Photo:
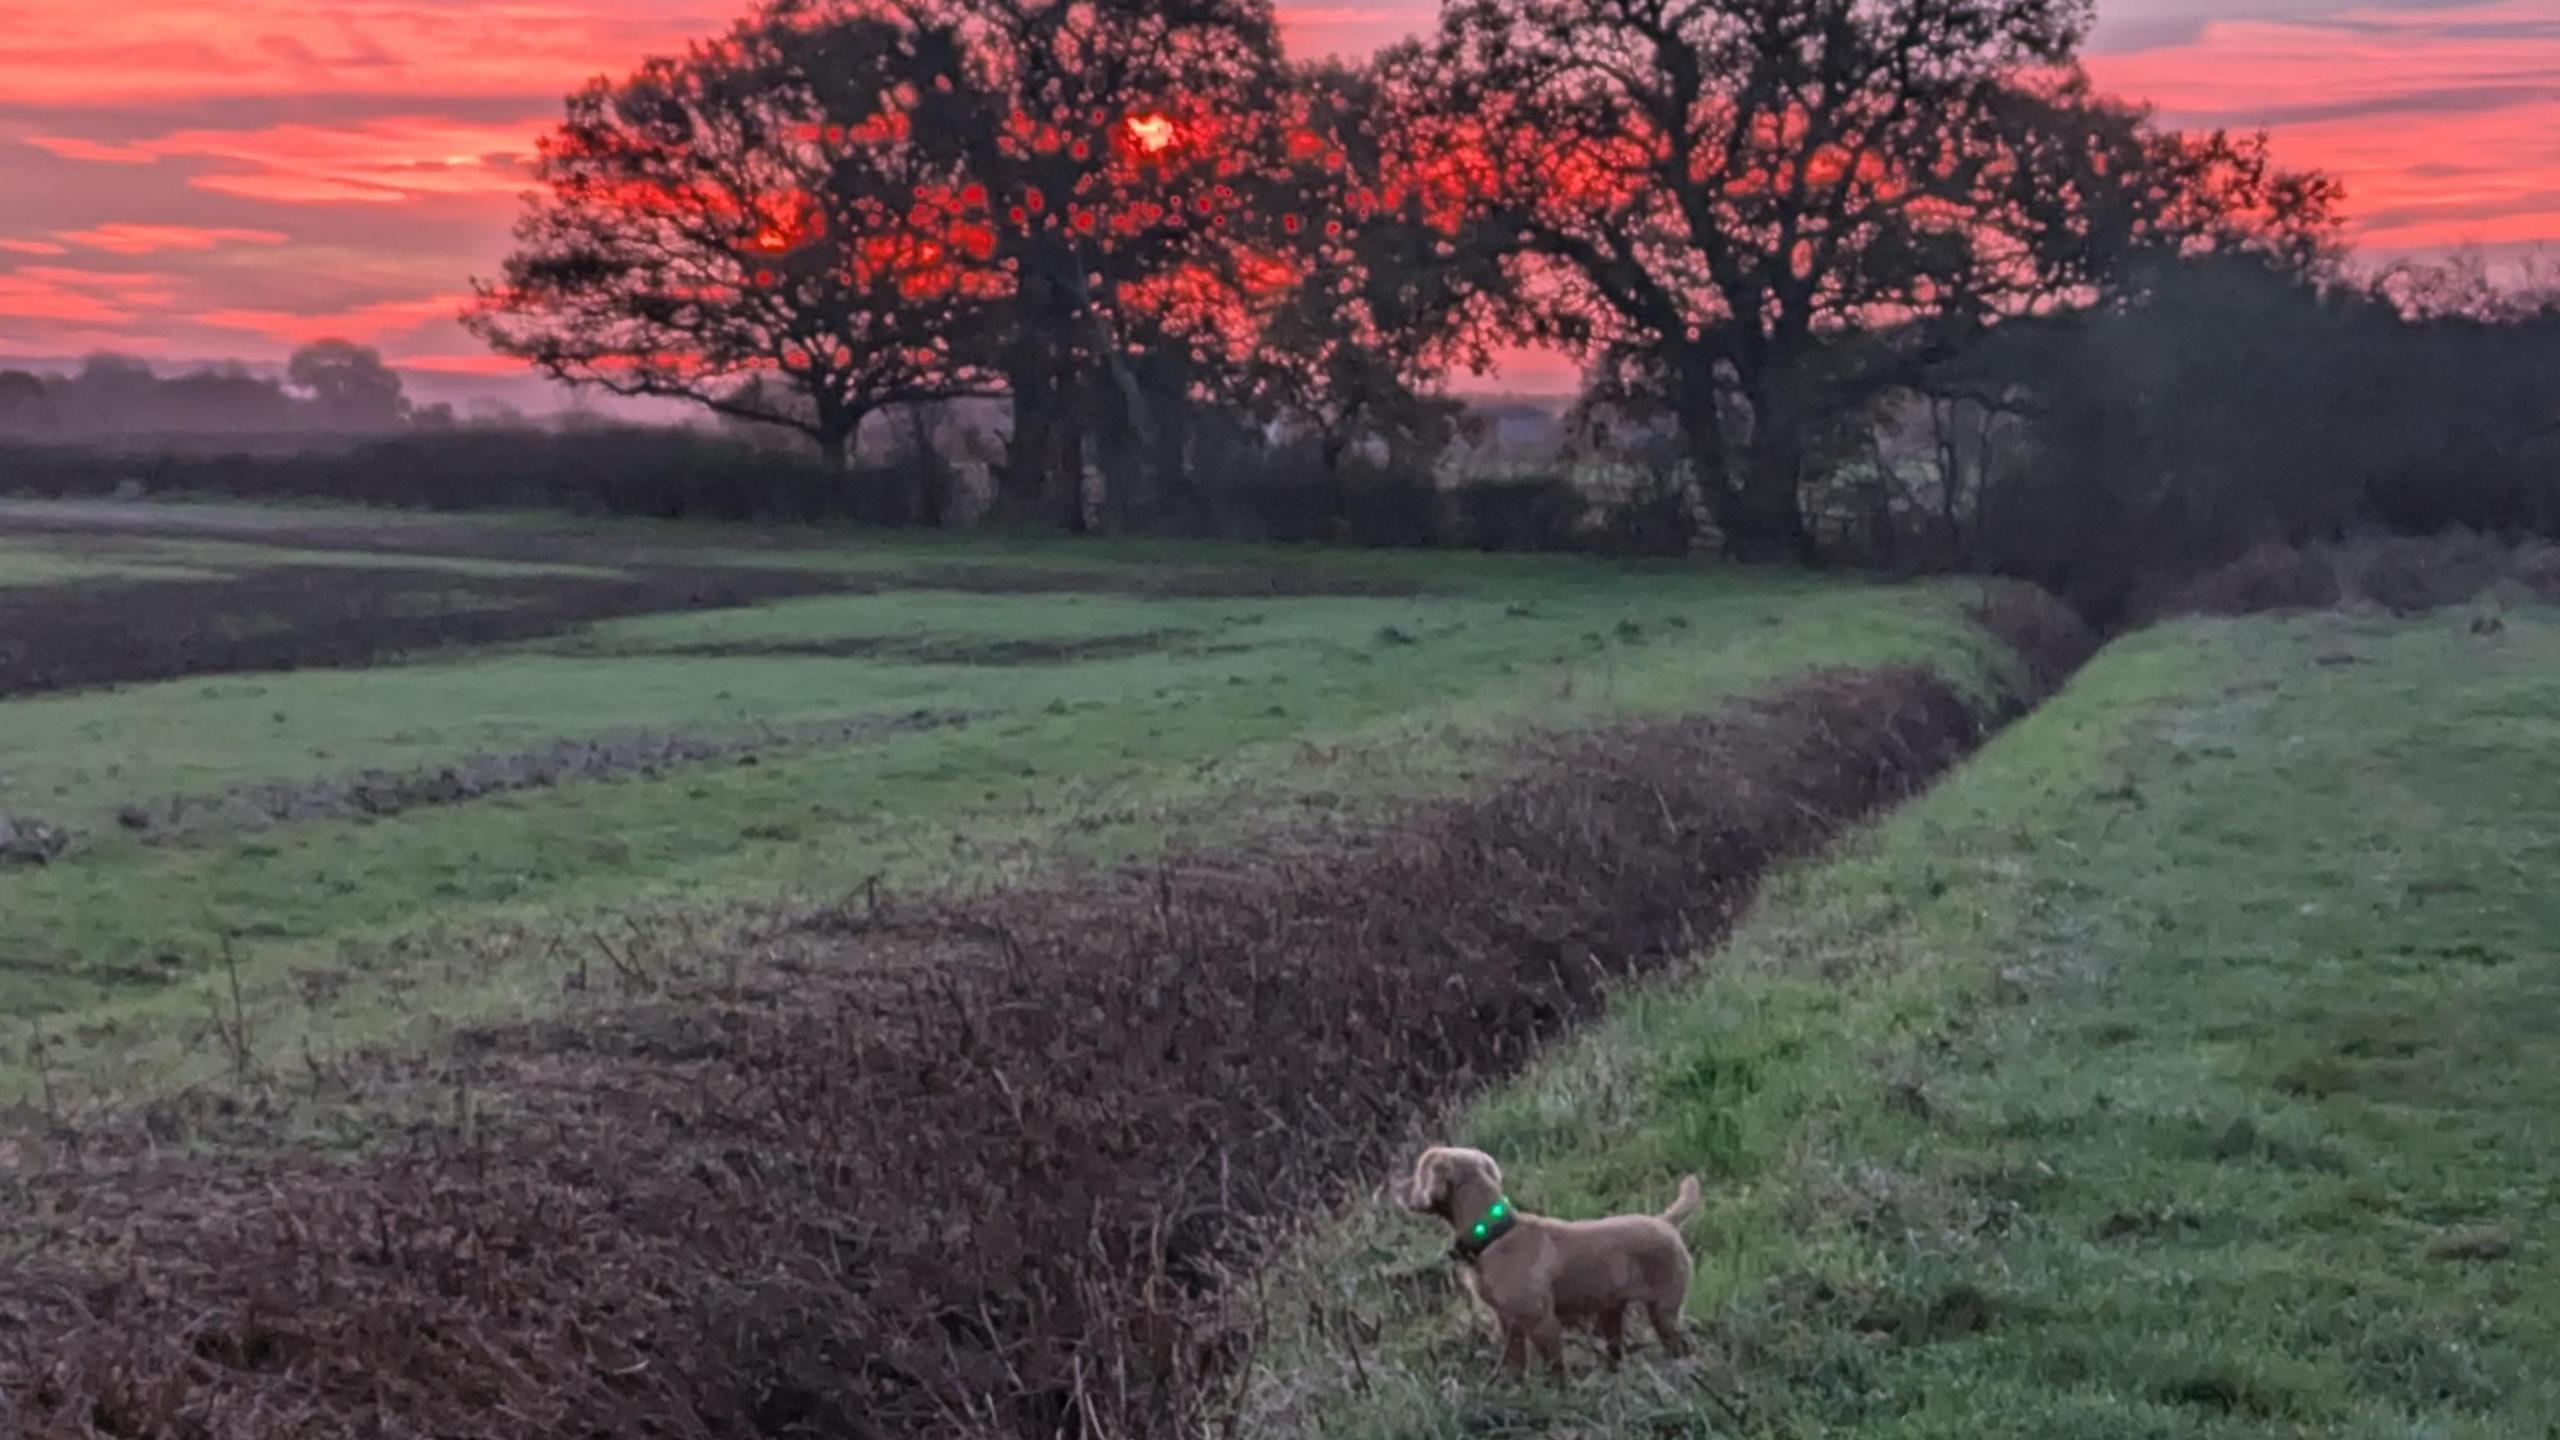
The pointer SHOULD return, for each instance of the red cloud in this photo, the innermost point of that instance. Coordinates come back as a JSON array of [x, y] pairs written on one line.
[[463, 364], [72, 147], [364, 322], [119, 238], [156, 51], [84, 340], [30, 300], [33, 247], [393, 159], [85, 297], [2433, 117]]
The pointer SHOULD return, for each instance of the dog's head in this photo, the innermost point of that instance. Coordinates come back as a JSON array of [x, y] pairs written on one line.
[[1440, 1173]]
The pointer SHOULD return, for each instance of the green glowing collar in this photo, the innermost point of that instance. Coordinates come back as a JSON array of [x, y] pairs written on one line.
[[1479, 1237]]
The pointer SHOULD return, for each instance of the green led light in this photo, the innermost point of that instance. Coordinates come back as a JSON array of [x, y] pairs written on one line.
[[1479, 1230], [1497, 1209]]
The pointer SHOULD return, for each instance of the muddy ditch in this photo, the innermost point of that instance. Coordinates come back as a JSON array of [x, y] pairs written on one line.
[[985, 1168]]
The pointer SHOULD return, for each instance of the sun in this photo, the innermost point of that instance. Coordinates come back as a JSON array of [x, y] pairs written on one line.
[[1153, 133]]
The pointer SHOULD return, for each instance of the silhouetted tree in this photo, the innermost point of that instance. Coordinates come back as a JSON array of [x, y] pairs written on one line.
[[23, 408], [2230, 401], [775, 227], [1114, 136], [1364, 303], [1762, 214], [349, 384]]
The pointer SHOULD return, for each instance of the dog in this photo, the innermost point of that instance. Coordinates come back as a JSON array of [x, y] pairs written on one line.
[[1537, 1276]]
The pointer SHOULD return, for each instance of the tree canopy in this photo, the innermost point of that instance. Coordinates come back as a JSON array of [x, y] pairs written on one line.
[[1757, 214], [1754, 217]]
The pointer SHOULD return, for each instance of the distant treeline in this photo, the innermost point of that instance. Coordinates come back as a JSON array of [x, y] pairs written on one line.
[[2224, 406], [330, 387], [1279, 494]]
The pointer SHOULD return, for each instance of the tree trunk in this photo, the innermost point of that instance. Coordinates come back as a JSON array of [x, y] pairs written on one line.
[[1031, 451], [1701, 420], [1767, 509], [1043, 482], [932, 481], [1133, 458]]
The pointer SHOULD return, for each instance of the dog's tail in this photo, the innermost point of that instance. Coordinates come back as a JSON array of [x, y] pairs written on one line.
[[1687, 1205]]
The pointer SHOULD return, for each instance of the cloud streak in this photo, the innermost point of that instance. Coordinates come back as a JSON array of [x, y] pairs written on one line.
[[75, 296], [119, 238], [386, 161], [100, 57], [372, 323]]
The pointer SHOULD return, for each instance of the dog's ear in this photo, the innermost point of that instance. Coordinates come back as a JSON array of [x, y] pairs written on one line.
[[1427, 1192]]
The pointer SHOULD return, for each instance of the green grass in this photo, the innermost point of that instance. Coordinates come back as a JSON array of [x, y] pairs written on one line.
[[1254, 711], [2180, 1068], [29, 562], [240, 556]]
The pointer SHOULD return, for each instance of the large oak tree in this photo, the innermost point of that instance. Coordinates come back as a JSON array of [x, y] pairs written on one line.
[[756, 228], [1758, 214]]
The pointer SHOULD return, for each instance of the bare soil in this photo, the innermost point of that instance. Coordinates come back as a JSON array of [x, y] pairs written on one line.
[[379, 793], [95, 633], [105, 522], [984, 1168], [74, 636]]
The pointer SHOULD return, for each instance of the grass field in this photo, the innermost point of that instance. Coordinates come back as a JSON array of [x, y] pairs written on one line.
[[1087, 702], [2179, 1068], [2174, 1069]]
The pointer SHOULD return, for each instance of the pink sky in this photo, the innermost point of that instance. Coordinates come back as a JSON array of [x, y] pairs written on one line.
[[197, 179]]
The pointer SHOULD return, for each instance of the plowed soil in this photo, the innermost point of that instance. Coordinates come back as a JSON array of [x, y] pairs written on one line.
[[288, 617]]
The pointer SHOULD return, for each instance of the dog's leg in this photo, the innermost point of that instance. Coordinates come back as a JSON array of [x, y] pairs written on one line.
[[1485, 1314], [1549, 1336], [1666, 1326], [1515, 1346], [1612, 1326]]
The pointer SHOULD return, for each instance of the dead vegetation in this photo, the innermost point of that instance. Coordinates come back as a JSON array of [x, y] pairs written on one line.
[[376, 794], [2398, 574], [983, 1169], [28, 841]]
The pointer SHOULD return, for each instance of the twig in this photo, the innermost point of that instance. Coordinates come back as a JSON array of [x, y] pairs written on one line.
[[235, 1034], [44, 1073], [633, 977]]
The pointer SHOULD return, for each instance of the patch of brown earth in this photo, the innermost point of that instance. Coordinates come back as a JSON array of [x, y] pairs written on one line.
[[377, 793], [63, 637], [94, 633]]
